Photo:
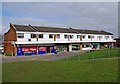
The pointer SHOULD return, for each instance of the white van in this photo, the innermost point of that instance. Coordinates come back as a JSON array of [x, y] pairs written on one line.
[[87, 48]]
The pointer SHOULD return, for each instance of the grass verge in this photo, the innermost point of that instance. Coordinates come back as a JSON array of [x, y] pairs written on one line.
[[61, 71]]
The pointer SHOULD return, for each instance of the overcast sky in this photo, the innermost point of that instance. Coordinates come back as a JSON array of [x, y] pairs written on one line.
[[82, 15]]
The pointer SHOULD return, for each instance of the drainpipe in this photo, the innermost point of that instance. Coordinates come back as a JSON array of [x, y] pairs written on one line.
[[81, 37], [68, 37], [54, 37], [37, 36]]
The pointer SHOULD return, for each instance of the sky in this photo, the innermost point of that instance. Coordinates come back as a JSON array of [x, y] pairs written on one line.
[[80, 15]]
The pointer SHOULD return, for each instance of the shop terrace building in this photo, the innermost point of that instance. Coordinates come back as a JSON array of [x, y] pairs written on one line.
[[23, 40]]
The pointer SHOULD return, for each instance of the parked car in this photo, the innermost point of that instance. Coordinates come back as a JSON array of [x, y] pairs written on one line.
[[1, 50]]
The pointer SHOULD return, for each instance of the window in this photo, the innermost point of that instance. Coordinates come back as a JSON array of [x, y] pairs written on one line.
[[89, 36], [106, 37], [33, 35], [58, 35], [40, 35], [71, 36], [112, 37], [78, 36], [84, 36], [99, 37], [93, 37], [20, 35], [50, 35], [65, 36]]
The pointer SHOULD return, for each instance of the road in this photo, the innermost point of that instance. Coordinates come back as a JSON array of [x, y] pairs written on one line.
[[47, 57]]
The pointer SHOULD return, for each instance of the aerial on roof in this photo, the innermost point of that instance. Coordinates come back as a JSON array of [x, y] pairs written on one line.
[[30, 28]]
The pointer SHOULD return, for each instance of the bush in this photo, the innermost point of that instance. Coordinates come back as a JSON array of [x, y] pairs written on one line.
[[8, 54]]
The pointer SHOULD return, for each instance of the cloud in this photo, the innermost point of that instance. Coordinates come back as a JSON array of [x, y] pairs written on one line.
[[0, 17], [99, 16], [26, 21], [60, 1]]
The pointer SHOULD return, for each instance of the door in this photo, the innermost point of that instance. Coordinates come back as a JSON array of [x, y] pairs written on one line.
[[48, 49]]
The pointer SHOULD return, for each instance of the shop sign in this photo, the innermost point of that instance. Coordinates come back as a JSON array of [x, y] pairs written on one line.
[[42, 48], [28, 49]]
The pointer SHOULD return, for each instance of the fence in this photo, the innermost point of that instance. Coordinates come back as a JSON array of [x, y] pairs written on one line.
[[107, 53]]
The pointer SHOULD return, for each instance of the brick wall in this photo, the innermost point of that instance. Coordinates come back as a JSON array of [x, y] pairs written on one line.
[[8, 38]]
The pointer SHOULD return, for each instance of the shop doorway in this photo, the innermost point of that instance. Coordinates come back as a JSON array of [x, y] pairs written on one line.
[[48, 49]]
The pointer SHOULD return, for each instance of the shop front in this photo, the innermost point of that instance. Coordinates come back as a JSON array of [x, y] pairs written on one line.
[[26, 50], [45, 50], [61, 47]]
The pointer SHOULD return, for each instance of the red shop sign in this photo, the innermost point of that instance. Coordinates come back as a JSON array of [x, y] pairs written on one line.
[[33, 49], [42, 48], [28, 49], [25, 49]]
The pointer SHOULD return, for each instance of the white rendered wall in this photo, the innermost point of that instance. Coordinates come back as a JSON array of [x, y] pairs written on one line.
[[46, 39]]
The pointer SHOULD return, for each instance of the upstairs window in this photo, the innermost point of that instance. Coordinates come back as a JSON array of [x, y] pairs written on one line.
[[83, 36], [78, 36], [71, 36], [20, 35], [65, 36], [33, 35], [50, 35], [93, 37], [40, 35], [58, 35], [111, 37], [99, 37], [89, 36], [106, 37]]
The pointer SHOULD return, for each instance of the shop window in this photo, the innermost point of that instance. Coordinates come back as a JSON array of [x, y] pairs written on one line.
[[20, 35], [33, 35], [83, 36], [78, 36], [65, 36], [40, 35], [71, 36], [58, 35], [50, 35]]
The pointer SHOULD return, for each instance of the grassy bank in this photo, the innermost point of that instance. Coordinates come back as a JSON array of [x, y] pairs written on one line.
[[106, 53], [62, 71]]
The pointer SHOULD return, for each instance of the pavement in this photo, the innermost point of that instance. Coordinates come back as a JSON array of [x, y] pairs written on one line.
[[45, 57]]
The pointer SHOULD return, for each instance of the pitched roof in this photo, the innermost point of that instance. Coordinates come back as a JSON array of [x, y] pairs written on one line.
[[29, 28], [93, 32], [53, 29], [25, 28]]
